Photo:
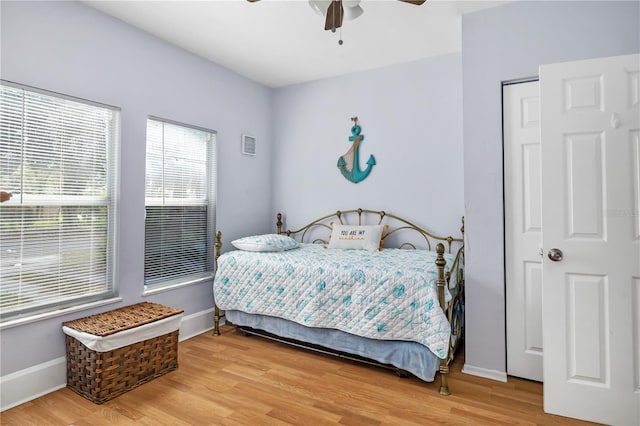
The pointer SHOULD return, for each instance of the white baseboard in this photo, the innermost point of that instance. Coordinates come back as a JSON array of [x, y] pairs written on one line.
[[500, 376], [195, 324], [33, 382]]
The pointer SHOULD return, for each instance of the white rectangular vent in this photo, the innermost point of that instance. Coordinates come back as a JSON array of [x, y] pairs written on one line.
[[248, 145]]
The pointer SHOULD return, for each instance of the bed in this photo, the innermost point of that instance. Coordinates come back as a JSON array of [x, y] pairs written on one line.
[[393, 298]]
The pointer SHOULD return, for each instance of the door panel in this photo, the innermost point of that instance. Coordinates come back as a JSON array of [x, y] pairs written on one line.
[[636, 334], [635, 158], [533, 306], [587, 319], [531, 186], [584, 157]]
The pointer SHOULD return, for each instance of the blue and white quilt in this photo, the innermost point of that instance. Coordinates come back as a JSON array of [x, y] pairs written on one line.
[[387, 295]]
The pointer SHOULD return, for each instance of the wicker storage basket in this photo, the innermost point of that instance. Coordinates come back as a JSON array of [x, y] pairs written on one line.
[[101, 376]]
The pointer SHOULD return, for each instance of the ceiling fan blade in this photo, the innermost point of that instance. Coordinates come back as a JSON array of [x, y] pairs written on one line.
[[416, 2], [335, 12]]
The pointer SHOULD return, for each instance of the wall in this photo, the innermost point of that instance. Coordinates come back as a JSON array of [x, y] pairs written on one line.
[[501, 44], [411, 117], [70, 48]]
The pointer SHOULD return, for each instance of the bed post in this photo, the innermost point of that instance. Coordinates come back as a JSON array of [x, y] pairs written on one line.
[[279, 223], [441, 282], [216, 310]]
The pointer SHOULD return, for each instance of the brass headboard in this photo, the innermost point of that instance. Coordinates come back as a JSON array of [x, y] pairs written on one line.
[[319, 230]]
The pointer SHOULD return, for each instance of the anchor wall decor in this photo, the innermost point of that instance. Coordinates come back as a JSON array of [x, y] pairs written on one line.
[[349, 163]]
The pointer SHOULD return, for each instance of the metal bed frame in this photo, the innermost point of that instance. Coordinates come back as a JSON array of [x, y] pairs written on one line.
[[396, 229]]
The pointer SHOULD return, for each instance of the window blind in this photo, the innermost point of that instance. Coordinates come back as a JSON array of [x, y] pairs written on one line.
[[57, 230], [179, 203]]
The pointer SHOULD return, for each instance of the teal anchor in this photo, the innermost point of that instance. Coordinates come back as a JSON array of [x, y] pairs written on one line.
[[349, 163]]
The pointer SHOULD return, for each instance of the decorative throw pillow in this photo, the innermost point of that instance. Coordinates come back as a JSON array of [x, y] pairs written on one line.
[[266, 242], [359, 237]]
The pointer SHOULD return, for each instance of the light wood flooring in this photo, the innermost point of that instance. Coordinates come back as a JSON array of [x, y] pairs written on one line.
[[238, 380]]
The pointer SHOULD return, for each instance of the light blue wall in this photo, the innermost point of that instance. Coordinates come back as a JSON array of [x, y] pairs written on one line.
[[73, 49], [500, 44], [411, 117]]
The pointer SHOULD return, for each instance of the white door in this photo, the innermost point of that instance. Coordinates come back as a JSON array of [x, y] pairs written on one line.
[[590, 128], [523, 229]]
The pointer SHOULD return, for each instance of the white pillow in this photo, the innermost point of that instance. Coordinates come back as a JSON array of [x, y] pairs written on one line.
[[359, 237], [266, 242]]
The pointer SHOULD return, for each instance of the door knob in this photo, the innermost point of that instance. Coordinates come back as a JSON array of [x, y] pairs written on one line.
[[555, 254]]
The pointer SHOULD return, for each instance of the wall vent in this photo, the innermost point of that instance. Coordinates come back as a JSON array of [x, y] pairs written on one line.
[[248, 145]]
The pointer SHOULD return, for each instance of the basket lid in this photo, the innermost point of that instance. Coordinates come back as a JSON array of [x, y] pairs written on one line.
[[121, 319]]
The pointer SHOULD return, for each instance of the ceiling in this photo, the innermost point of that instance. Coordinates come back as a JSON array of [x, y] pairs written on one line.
[[279, 43]]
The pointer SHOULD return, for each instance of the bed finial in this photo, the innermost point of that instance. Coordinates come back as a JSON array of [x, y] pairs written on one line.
[[462, 229], [381, 214], [279, 223], [218, 245]]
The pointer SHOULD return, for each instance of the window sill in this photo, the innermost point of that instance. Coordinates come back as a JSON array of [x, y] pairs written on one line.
[[48, 315], [160, 288]]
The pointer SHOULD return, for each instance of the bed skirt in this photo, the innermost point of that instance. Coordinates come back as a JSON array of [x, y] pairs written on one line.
[[411, 357]]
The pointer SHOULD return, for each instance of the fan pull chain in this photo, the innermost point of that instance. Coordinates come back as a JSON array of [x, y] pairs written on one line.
[[333, 30]]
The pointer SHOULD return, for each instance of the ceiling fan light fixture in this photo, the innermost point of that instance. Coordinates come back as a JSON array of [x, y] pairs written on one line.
[[352, 12], [352, 8], [350, 3], [320, 6]]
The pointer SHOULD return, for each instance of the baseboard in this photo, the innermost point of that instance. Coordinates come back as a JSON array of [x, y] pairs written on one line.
[[33, 382], [195, 324], [500, 376]]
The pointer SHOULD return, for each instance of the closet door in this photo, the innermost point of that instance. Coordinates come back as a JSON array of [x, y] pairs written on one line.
[[523, 229]]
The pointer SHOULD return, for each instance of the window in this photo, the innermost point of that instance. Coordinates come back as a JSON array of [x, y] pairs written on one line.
[[179, 204], [57, 231]]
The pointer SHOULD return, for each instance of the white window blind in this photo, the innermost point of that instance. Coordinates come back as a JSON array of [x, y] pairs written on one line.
[[57, 231], [179, 203]]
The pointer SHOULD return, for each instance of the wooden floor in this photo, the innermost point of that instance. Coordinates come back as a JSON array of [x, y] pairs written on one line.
[[238, 380]]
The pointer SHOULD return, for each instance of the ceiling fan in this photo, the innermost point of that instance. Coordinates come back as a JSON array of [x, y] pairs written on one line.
[[334, 10]]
